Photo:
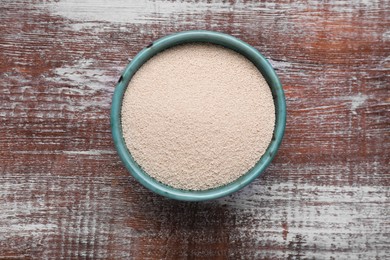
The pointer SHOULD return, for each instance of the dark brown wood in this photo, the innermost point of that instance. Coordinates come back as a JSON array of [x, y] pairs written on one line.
[[65, 194]]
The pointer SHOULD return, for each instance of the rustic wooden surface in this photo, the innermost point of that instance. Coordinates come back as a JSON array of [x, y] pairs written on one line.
[[65, 194]]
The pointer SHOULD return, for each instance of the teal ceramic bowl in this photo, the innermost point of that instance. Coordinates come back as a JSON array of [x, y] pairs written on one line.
[[189, 37]]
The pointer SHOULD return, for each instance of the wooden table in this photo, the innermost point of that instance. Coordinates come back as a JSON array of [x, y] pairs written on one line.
[[64, 192]]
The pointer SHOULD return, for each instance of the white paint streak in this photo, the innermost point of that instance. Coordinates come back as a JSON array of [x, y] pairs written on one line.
[[386, 36], [150, 12], [123, 11], [313, 193], [26, 228], [36, 230], [355, 101], [347, 6], [89, 152], [277, 64], [86, 80], [84, 72]]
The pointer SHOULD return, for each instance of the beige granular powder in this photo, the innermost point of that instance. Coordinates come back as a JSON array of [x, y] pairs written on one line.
[[197, 116]]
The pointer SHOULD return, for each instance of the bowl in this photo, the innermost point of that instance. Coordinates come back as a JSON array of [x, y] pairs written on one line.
[[224, 40]]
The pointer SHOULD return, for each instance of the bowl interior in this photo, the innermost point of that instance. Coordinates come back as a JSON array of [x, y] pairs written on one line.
[[208, 37]]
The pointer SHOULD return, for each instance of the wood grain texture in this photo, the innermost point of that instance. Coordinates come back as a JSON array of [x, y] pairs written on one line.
[[65, 194]]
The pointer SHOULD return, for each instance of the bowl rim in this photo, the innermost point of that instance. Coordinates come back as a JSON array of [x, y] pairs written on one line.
[[218, 38]]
